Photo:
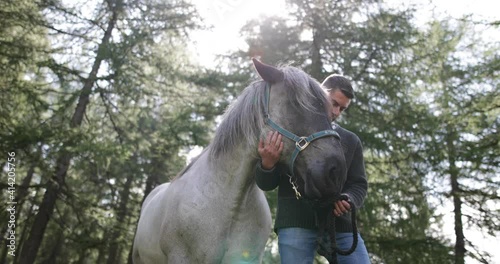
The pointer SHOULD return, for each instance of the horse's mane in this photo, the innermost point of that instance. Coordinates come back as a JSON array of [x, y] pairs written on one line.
[[244, 119]]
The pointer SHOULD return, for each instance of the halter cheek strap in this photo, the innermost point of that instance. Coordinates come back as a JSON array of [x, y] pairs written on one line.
[[300, 142]]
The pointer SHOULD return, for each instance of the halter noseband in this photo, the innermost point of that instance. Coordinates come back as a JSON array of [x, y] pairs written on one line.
[[301, 143]]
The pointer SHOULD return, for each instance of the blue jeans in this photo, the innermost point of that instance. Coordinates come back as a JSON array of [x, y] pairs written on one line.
[[298, 246]]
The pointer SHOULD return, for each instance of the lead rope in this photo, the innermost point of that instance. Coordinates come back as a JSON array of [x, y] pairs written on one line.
[[327, 245]]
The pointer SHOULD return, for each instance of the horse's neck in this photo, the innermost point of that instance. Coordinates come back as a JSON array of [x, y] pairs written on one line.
[[233, 172], [235, 167]]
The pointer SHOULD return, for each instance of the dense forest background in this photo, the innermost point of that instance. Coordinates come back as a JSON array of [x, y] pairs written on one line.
[[101, 101]]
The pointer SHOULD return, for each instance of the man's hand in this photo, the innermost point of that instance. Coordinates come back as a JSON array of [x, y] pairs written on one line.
[[270, 150], [341, 207]]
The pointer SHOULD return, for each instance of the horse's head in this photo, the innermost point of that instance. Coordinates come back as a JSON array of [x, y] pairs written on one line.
[[296, 103]]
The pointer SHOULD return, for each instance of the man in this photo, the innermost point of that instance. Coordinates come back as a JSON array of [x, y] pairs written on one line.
[[295, 224]]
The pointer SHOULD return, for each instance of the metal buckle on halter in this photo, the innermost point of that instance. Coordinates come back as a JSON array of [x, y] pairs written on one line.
[[302, 143]]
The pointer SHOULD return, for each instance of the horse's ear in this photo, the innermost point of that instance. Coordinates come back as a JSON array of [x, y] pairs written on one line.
[[267, 72]]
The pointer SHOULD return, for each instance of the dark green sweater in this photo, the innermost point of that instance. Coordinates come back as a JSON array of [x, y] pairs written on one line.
[[299, 213]]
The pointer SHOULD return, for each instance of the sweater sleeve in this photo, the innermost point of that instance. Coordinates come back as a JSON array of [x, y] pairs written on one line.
[[267, 180], [356, 184]]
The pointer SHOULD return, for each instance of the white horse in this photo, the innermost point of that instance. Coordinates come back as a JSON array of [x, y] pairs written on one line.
[[213, 212]]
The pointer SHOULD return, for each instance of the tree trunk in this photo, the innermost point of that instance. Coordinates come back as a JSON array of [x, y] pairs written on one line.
[[3, 258], [316, 62], [151, 182], [101, 252], [121, 216], [455, 193], [82, 257], [25, 230], [56, 249], [56, 183], [21, 195]]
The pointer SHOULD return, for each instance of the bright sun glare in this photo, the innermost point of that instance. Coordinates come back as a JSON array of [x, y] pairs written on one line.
[[226, 18]]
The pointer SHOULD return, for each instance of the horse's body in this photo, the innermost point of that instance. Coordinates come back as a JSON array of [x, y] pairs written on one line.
[[209, 225], [213, 212]]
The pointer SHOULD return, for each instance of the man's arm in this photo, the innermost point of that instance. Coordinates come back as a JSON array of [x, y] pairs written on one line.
[[356, 184]]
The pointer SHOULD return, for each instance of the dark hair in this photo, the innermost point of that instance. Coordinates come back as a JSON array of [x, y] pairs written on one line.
[[335, 81]]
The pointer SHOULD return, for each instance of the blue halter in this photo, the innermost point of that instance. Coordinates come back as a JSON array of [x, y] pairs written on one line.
[[300, 142]]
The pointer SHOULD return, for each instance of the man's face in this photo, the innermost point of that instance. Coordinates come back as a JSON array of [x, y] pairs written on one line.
[[339, 103]]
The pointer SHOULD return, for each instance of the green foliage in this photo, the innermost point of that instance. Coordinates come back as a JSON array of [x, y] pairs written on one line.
[[462, 93], [147, 104], [276, 41]]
